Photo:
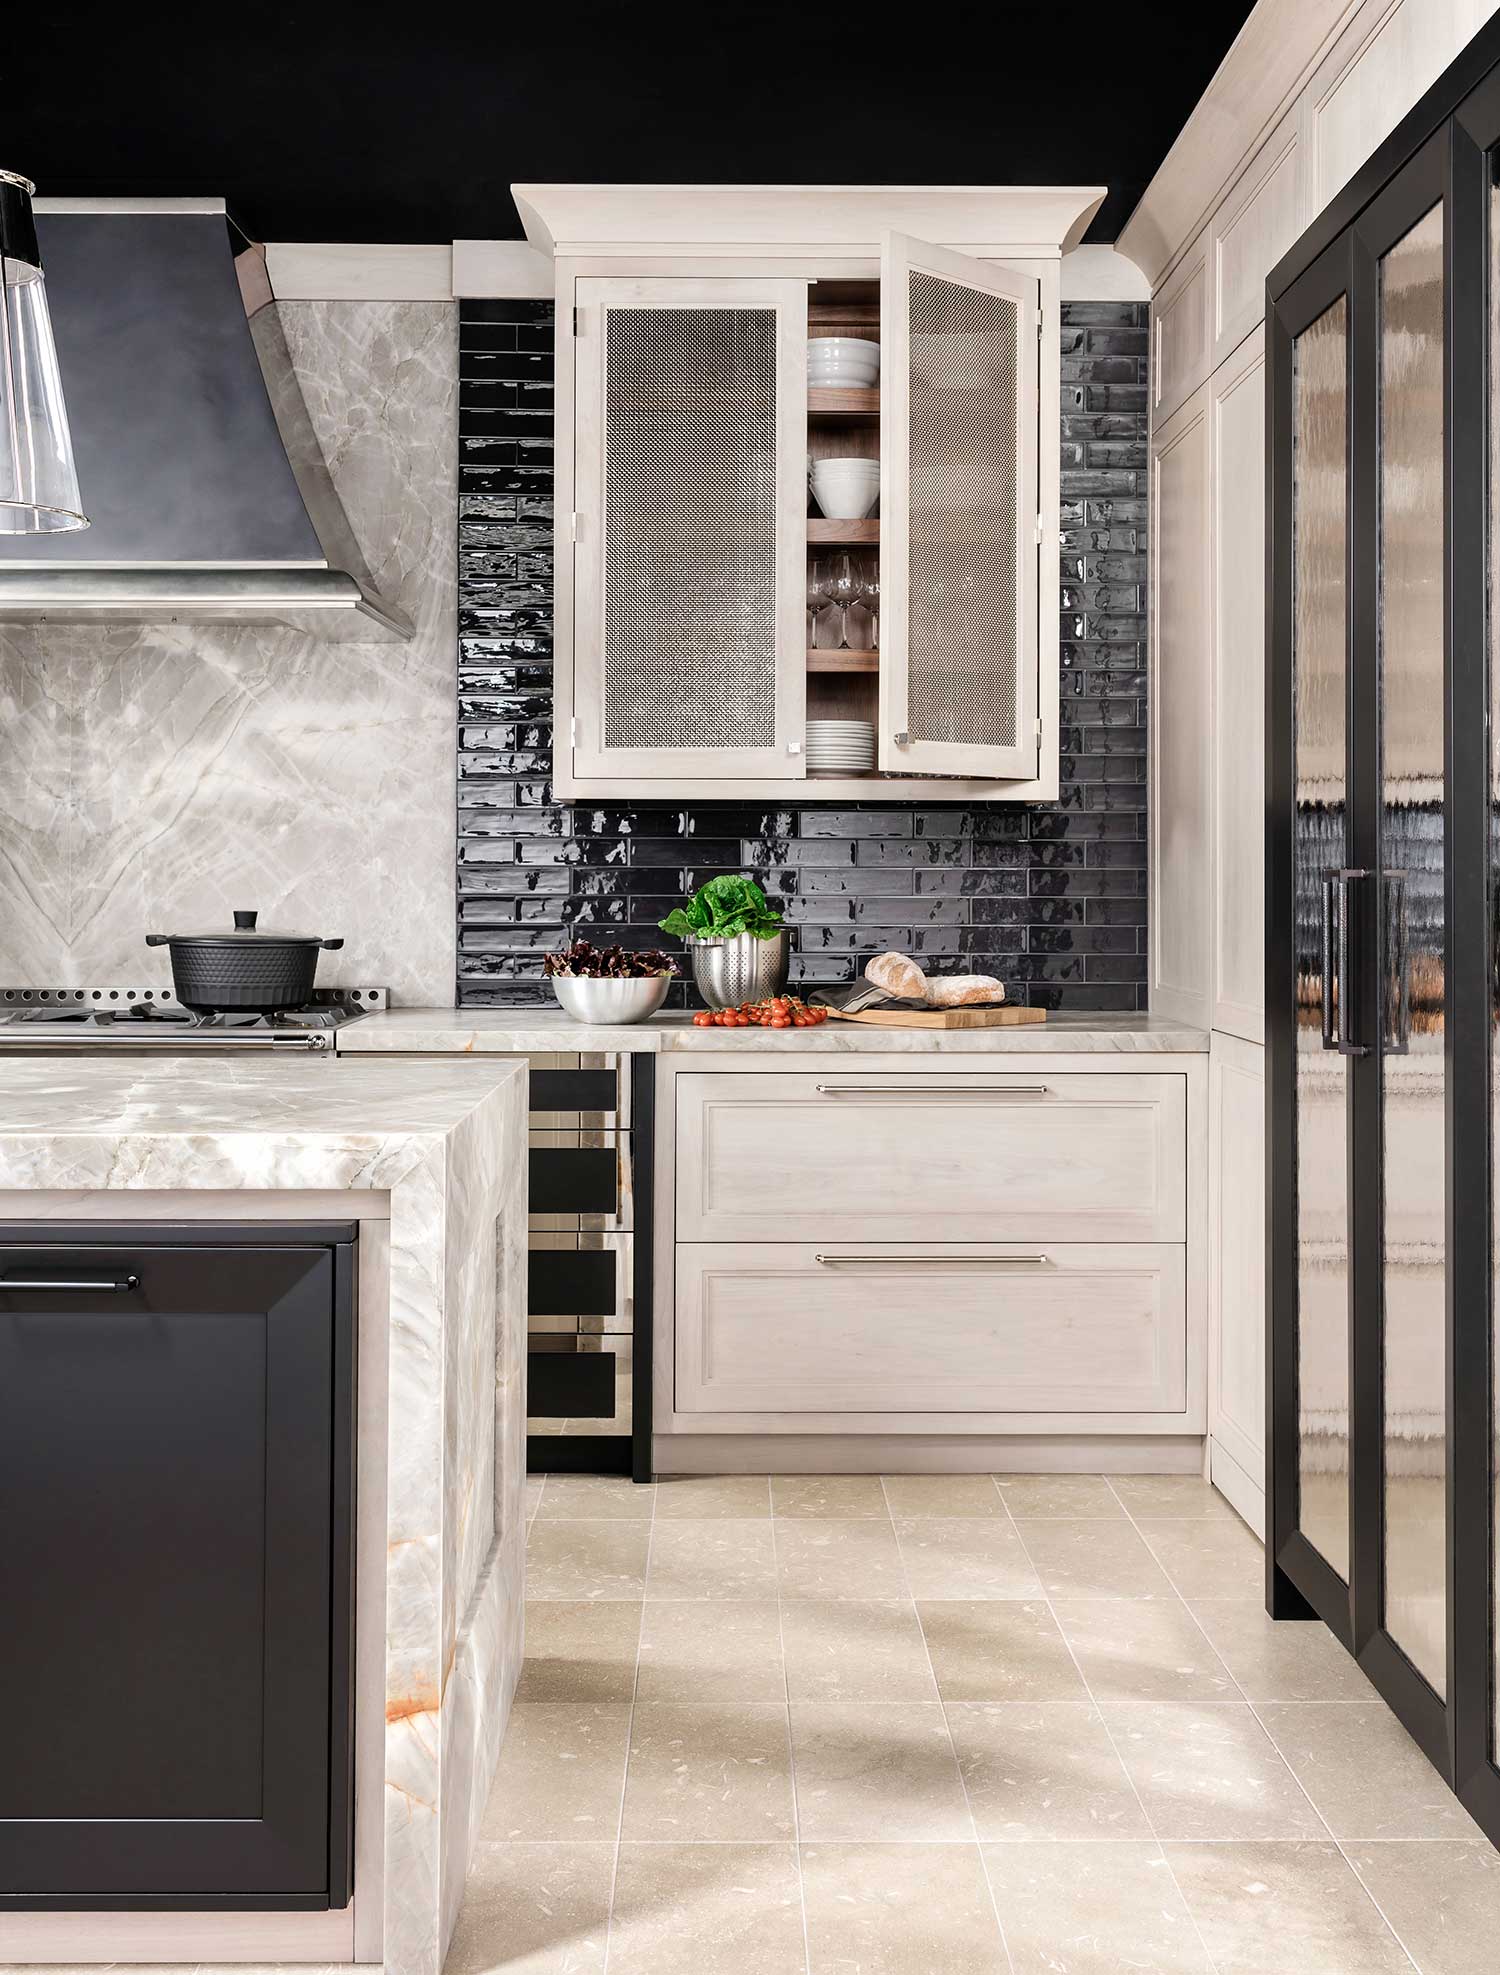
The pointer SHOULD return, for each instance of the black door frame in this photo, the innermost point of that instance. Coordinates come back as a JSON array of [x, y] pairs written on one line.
[[1446, 149]]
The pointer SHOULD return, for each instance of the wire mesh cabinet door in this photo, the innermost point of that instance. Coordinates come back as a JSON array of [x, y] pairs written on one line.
[[690, 435], [958, 514]]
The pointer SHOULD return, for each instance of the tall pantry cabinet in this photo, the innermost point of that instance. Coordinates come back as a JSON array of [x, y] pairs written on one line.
[[1207, 238]]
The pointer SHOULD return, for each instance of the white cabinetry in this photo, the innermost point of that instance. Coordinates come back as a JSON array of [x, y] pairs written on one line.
[[1236, 1278], [1179, 332], [1237, 647], [685, 661], [872, 1248], [1180, 699]]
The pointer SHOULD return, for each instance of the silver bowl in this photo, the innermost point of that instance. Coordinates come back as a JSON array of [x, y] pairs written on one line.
[[604, 1000], [729, 971]]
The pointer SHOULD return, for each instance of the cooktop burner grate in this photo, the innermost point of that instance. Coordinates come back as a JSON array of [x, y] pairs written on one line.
[[141, 1016]]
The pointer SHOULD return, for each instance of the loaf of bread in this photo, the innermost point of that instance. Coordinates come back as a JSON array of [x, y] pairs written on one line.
[[963, 990], [897, 975]]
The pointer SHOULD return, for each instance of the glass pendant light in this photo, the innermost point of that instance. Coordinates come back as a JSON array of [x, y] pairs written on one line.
[[38, 481]]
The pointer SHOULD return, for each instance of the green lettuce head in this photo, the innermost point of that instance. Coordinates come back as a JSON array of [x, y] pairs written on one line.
[[722, 908]]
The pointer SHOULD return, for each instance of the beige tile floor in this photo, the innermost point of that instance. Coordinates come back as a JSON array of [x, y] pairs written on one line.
[[972, 1726]]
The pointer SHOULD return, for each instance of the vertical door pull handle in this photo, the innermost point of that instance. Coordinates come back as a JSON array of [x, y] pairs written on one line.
[[1336, 972]]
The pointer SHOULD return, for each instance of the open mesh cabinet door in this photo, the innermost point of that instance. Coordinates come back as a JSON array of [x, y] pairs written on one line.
[[958, 507], [689, 641]]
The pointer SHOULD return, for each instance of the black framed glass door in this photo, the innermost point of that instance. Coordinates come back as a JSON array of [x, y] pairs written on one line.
[[1360, 1068], [1383, 909]]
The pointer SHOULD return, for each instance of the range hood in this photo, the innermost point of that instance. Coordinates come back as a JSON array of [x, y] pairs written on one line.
[[208, 496]]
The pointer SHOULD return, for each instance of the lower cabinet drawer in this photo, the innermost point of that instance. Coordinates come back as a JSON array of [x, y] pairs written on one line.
[[897, 1328]]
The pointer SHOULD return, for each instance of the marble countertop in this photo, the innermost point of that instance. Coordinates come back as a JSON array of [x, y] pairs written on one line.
[[193, 1123], [539, 1031]]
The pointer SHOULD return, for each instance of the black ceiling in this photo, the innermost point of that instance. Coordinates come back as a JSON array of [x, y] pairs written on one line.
[[330, 122]]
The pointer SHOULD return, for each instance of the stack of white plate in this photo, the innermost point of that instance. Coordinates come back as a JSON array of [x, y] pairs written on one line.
[[843, 361], [845, 746]]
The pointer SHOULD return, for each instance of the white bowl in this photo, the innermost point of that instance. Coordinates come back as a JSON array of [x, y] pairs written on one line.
[[602, 1000], [846, 489], [852, 361]]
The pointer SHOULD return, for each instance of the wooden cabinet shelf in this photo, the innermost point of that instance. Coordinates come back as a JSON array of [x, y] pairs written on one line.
[[843, 661], [840, 405], [822, 533]]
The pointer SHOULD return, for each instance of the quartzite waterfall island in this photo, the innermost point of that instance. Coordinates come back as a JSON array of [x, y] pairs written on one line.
[[262, 1336]]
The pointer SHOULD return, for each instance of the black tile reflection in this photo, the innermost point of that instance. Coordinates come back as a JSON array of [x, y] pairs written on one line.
[[1052, 899]]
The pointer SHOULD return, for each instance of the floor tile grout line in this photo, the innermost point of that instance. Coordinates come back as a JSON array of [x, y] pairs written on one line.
[[614, 1877], [1156, 1838], [791, 1746], [989, 1884], [1254, 1712], [1337, 1842], [1370, 1896]]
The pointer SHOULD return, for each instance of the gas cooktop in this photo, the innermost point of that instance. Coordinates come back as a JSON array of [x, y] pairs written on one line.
[[39, 1019]]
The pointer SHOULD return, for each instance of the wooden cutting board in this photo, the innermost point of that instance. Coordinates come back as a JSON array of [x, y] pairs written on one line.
[[1002, 1017]]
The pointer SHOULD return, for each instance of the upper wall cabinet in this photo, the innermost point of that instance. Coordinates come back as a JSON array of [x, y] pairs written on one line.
[[754, 567]]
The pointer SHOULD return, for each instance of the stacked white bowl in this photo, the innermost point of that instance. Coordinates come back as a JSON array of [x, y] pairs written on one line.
[[842, 746], [846, 489], [843, 362]]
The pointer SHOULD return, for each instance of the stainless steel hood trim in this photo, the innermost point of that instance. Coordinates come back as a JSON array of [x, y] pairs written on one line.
[[303, 599], [328, 593]]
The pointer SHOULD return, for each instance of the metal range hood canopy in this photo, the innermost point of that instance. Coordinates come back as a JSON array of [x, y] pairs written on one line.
[[208, 496]]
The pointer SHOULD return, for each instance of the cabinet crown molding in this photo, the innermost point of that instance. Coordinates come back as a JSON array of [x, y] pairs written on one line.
[[1033, 222], [1271, 57]]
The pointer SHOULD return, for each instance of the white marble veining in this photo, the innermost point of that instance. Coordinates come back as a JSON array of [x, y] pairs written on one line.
[[154, 777], [532, 1031], [446, 1145]]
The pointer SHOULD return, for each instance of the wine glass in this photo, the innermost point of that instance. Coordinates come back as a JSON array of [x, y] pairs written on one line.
[[827, 621], [841, 587], [859, 613]]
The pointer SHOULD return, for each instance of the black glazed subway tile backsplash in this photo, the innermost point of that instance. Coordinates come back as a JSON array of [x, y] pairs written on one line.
[[1051, 898]]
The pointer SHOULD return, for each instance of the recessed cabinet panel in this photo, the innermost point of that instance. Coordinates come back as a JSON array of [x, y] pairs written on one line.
[[1180, 332], [1237, 409], [763, 1328], [1180, 792], [688, 591], [1249, 234], [784, 1157], [960, 536]]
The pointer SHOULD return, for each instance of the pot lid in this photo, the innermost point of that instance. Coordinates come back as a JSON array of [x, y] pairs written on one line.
[[245, 932]]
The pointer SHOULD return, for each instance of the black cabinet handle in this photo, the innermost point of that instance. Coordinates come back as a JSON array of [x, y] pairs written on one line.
[[109, 1285]]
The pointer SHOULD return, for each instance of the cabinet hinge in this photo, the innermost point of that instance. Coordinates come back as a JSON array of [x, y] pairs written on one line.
[[573, 526], [1039, 733], [1041, 532], [575, 322], [573, 731]]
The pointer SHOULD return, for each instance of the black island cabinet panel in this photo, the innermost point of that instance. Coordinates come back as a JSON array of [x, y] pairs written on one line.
[[176, 1489]]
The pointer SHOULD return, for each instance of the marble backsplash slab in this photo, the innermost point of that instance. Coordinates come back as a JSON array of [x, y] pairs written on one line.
[[156, 777]]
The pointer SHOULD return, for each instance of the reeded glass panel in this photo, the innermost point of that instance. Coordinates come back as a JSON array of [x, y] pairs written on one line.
[[1320, 494], [1411, 859], [1495, 926], [690, 528], [962, 654]]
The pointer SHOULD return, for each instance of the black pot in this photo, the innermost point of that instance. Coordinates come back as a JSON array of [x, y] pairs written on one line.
[[244, 969]]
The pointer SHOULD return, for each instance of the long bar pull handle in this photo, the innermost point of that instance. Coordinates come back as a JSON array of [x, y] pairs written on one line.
[[1336, 991], [936, 1261], [915, 1087], [1397, 966], [108, 1286]]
